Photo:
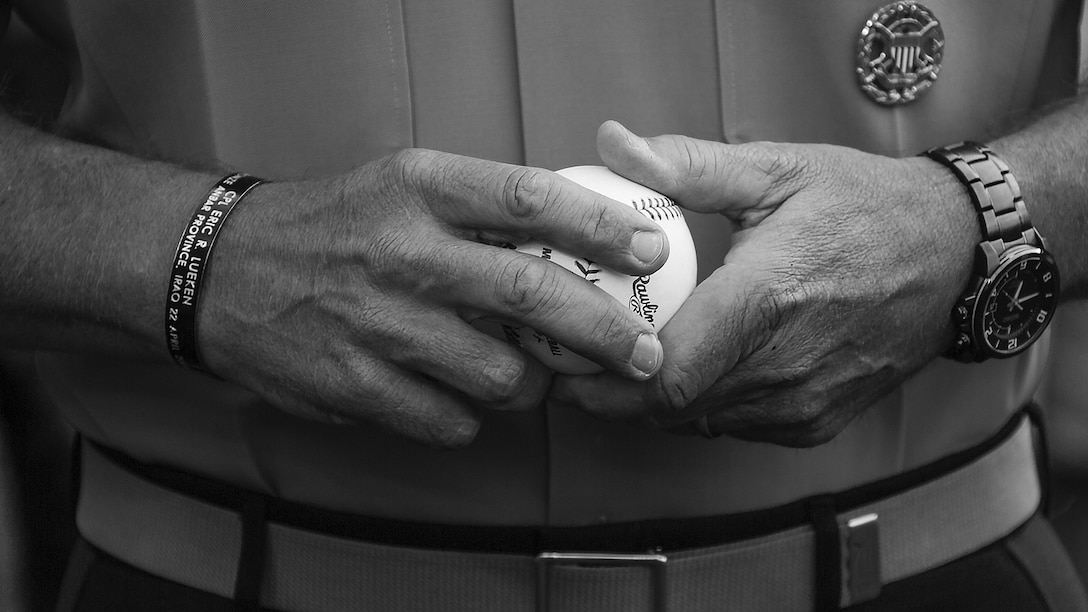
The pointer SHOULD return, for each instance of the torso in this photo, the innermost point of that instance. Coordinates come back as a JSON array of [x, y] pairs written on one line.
[[286, 90]]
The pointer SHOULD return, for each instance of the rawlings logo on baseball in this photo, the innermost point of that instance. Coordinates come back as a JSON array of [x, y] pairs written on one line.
[[640, 302]]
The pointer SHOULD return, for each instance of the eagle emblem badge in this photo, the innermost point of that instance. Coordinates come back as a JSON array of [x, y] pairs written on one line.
[[899, 52]]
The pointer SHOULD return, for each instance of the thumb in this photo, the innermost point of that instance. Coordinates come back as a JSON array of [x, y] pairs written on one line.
[[705, 176]]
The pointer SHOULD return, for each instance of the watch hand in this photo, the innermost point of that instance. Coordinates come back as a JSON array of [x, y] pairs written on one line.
[[1027, 297], [1016, 296], [1013, 302]]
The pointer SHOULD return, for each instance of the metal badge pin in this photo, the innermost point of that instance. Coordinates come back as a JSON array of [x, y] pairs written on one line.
[[899, 52]]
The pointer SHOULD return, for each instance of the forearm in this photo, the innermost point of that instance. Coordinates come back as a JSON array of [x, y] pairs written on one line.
[[1049, 159], [86, 240]]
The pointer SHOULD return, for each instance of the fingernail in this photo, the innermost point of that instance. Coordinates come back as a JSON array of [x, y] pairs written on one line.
[[462, 434], [647, 246], [646, 357]]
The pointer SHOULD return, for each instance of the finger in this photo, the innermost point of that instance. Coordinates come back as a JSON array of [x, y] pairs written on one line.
[[479, 280], [742, 181], [532, 203], [718, 424], [489, 372], [796, 435], [513, 286], [369, 390], [706, 338]]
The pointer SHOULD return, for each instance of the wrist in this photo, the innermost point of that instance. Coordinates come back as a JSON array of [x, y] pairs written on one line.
[[144, 263], [89, 234], [948, 218], [1048, 157], [257, 260], [191, 261]]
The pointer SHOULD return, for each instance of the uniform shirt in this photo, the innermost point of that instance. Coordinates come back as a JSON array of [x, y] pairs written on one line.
[[288, 89]]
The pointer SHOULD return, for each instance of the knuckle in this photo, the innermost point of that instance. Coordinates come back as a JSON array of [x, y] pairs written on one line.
[[605, 228], [764, 311], [400, 259], [385, 253], [809, 417], [524, 191], [817, 437], [413, 168], [770, 310], [778, 295], [503, 381], [613, 326], [774, 162], [449, 435], [803, 420], [394, 409], [315, 409], [527, 285], [402, 163], [612, 329], [675, 390], [810, 435], [783, 171], [697, 162], [325, 413]]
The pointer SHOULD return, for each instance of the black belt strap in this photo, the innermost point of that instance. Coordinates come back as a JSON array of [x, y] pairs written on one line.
[[828, 553], [247, 585]]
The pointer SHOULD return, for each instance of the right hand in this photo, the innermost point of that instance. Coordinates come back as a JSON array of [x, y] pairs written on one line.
[[350, 299]]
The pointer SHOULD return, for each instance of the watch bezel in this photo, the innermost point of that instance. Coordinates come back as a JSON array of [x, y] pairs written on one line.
[[1016, 257]]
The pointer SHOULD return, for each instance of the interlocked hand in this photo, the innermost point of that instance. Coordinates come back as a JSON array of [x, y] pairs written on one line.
[[838, 286], [351, 299]]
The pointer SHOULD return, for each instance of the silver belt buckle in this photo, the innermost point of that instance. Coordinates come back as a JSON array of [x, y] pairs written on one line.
[[655, 562]]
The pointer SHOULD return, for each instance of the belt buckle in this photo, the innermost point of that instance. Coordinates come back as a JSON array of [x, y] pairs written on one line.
[[655, 561]]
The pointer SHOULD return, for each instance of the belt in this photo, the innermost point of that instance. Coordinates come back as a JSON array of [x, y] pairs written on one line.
[[198, 544]]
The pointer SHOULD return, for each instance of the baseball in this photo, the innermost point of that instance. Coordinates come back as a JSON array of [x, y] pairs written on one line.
[[655, 298]]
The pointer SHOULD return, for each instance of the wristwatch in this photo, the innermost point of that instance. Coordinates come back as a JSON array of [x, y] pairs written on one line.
[[1013, 291]]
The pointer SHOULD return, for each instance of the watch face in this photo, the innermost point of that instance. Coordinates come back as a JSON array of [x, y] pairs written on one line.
[[1017, 303]]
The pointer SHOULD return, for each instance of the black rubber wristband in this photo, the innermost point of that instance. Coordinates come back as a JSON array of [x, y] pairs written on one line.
[[191, 262]]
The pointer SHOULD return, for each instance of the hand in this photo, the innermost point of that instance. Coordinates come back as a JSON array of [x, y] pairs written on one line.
[[839, 284], [350, 299]]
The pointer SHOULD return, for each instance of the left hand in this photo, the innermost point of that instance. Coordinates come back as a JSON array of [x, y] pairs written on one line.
[[838, 286]]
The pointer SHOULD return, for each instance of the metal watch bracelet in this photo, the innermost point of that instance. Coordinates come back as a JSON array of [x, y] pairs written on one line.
[[1003, 217]]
